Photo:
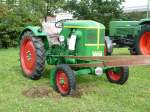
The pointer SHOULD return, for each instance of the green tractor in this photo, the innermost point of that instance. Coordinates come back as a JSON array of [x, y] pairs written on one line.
[[132, 34], [78, 49]]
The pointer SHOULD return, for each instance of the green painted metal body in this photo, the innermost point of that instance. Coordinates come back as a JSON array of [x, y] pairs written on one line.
[[89, 42], [123, 28], [90, 37], [126, 28]]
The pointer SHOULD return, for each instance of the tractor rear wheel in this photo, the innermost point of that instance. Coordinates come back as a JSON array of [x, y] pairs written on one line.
[[118, 75], [65, 82], [32, 56], [142, 41]]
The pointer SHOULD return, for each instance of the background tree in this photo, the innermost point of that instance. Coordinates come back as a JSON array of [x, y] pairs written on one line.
[[54, 6], [14, 17], [135, 16], [98, 10]]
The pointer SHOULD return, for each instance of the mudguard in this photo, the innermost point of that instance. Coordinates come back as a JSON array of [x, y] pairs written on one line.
[[37, 32]]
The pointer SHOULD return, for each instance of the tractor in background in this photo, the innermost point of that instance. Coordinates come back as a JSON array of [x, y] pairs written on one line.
[[132, 34]]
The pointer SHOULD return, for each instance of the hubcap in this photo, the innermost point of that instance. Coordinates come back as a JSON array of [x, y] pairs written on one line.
[[145, 43], [115, 75], [28, 56], [62, 82]]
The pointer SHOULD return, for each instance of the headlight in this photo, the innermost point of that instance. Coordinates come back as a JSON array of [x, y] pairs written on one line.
[[98, 71]]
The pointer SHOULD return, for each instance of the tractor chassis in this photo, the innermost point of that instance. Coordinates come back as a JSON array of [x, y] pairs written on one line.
[[124, 41]]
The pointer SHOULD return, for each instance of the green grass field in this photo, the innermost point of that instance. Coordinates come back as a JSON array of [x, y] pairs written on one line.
[[94, 94]]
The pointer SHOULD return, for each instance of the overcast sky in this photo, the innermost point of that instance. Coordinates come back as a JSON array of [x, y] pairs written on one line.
[[134, 3]]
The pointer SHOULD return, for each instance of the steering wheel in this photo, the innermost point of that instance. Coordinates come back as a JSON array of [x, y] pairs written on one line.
[[59, 24]]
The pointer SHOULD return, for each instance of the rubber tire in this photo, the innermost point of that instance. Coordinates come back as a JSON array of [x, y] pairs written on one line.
[[108, 46], [40, 56], [145, 28], [133, 52], [71, 78], [123, 79], [106, 53]]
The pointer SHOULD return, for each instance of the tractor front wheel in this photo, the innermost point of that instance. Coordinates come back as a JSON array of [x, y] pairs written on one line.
[[118, 75], [108, 49], [65, 82], [32, 56]]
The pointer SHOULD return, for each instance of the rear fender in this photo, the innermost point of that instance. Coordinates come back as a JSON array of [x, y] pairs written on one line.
[[142, 23], [37, 32]]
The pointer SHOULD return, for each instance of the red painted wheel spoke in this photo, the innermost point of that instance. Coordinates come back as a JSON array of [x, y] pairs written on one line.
[[115, 75], [62, 82]]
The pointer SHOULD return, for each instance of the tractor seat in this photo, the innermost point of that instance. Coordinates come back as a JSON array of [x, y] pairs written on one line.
[[54, 35]]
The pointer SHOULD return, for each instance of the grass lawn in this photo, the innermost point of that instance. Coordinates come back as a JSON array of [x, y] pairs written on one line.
[[94, 94]]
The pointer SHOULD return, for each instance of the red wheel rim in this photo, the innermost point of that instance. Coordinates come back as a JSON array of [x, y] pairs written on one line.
[[28, 56], [115, 75], [62, 82], [145, 43]]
